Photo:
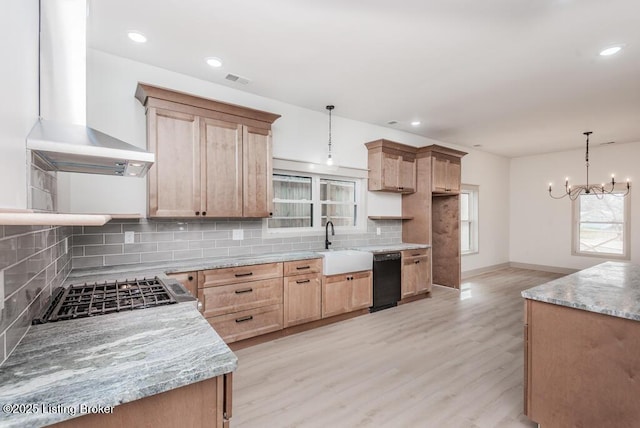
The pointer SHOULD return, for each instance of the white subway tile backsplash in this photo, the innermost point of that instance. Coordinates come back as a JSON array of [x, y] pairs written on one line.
[[194, 239]]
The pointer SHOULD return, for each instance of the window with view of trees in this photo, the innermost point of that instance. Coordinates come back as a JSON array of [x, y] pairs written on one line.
[[308, 201], [601, 225]]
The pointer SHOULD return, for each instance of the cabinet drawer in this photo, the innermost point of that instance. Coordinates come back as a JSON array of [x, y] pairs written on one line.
[[234, 275], [414, 253], [231, 298], [302, 267], [246, 324]]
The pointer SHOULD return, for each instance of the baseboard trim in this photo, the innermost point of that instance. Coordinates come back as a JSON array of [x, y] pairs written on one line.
[[552, 269], [480, 271], [544, 268]]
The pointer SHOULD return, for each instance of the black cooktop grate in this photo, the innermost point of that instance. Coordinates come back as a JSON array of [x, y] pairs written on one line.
[[78, 301]]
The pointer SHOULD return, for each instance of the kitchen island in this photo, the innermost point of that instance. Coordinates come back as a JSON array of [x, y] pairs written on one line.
[[151, 358], [582, 341]]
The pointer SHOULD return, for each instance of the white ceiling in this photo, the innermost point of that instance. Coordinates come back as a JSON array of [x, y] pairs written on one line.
[[518, 77]]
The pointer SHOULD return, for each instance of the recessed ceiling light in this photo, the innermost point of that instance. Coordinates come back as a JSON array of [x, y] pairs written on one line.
[[415, 123], [137, 37], [610, 51], [214, 62]]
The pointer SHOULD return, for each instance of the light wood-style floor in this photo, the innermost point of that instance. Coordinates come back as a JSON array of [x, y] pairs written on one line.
[[453, 360]]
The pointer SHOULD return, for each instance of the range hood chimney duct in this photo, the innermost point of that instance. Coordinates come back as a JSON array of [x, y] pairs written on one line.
[[60, 137]]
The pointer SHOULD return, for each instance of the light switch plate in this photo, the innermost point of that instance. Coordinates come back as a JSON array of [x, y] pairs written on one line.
[[238, 234], [129, 237], [378, 231]]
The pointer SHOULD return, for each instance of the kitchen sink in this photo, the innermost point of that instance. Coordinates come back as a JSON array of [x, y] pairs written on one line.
[[343, 261]]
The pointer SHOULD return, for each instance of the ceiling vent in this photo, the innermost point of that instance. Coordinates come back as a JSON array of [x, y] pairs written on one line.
[[237, 79]]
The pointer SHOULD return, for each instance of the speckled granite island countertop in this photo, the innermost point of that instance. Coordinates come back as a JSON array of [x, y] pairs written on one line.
[[109, 360], [611, 288]]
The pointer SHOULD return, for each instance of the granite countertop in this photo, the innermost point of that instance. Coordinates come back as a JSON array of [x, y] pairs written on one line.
[[161, 269], [392, 247], [109, 360], [611, 288], [149, 270]]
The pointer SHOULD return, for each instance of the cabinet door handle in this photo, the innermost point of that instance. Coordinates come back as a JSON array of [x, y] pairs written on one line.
[[417, 261], [243, 319], [303, 267], [244, 290], [204, 213], [197, 212], [239, 275], [190, 278], [302, 281]]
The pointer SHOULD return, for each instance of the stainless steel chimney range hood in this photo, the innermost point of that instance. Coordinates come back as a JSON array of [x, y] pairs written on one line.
[[62, 141], [76, 148]]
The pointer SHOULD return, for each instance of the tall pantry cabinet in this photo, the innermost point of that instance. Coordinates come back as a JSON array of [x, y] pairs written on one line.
[[435, 211], [429, 179], [212, 159]]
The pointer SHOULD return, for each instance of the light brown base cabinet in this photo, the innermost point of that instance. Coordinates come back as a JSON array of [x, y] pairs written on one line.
[[416, 272], [581, 367], [205, 404], [302, 291], [188, 279], [242, 302], [346, 292]]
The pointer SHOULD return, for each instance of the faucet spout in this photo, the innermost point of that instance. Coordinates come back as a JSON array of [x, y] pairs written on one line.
[[326, 234]]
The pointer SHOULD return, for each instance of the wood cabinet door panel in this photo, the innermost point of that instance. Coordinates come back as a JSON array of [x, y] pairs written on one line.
[[239, 297], [257, 173], [439, 175], [453, 177], [361, 290], [174, 179], [302, 299], [390, 171], [336, 295], [222, 168], [246, 324], [407, 175]]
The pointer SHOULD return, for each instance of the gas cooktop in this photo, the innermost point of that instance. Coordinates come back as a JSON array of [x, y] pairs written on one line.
[[100, 298]]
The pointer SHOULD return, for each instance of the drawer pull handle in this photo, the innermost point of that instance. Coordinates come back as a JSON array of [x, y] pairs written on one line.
[[239, 275], [243, 319], [417, 254], [303, 267], [244, 290], [302, 281], [417, 261]]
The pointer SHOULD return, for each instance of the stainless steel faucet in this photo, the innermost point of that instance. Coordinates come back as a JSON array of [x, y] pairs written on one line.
[[326, 234]]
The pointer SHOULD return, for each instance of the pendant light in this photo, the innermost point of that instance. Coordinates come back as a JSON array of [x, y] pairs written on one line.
[[329, 154], [599, 190]]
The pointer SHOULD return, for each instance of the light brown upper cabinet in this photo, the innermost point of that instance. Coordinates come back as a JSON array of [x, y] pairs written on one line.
[[445, 169], [212, 159], [392, 167]]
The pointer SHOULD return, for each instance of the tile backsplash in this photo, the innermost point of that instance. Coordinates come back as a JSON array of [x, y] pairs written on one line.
[[172, 240], [32, 262]]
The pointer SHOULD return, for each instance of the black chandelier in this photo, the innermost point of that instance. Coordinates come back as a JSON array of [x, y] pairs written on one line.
[[599, 190]]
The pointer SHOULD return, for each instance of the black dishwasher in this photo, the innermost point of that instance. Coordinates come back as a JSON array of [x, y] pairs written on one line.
[[386, 280]]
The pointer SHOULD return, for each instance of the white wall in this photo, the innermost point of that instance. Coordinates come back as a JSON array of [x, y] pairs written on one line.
[[19, 89], [300, 134], [540, 230], [490, 173]]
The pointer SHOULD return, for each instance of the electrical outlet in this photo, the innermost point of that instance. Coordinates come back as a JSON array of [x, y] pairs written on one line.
[[1, 292], [129, 237], [238, 234], [378, 231]]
